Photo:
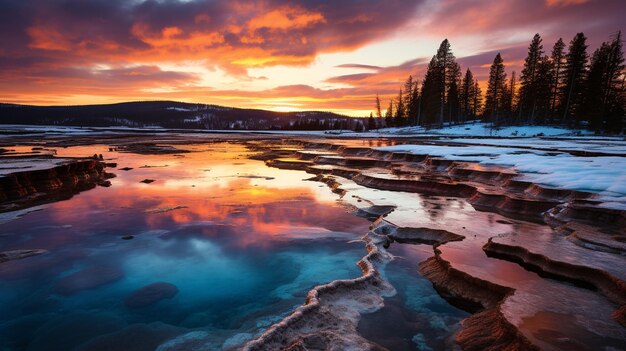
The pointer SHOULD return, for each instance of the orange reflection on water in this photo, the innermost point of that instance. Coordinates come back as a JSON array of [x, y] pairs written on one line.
[[214, 186]]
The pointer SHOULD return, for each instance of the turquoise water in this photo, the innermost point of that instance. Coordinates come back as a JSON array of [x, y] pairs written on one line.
[[421, 319], [231, 245]]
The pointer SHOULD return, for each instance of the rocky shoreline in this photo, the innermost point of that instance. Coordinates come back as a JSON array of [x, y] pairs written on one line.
[[25, 189]]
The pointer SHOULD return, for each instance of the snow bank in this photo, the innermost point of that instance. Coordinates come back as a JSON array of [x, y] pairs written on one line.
[[484, 129], [607, 145], [605, 175]]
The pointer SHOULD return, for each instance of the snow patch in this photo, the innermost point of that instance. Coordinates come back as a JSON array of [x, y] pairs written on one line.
[[605, 175]]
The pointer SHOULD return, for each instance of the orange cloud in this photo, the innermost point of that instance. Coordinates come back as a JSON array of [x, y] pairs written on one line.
[[47, 39], [286, 18], [115, 50]]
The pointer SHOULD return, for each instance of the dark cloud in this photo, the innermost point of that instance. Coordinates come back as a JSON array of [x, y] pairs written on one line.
[[552, 18], [226, 33]]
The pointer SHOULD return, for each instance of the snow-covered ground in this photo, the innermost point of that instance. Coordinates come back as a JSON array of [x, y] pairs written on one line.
[[605, 175], [607, 145], [485, 130], [470, 129]]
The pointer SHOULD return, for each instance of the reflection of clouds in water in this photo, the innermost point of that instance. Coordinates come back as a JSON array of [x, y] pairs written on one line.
[[242, 254]]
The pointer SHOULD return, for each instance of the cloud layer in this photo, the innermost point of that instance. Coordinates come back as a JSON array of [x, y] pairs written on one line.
[[75, 51]]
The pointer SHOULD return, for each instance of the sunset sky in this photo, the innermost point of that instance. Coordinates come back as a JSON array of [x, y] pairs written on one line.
[[275, 54]]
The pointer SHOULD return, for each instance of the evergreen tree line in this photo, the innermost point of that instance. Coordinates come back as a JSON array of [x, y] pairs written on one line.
[[566, 87]]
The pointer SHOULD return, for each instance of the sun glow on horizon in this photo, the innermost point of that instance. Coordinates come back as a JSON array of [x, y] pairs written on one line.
[[281, 56]]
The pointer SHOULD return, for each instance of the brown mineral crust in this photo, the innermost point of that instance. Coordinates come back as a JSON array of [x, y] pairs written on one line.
[[584, 235], [620, 315], [359, 162], [355, 151], [416, 186], [427, 236], [332, 183], [587, 213], [490, 331], [556, 194], [289, 163], [483, 176], [460, 288], [609, 285], [511, 206], [487, 328], [29, 188]]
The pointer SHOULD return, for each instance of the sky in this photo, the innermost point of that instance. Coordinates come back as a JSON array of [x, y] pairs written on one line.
[[271, 54]]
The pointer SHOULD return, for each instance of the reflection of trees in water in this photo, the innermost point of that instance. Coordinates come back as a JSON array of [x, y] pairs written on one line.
[[435, 206], [491, 218]]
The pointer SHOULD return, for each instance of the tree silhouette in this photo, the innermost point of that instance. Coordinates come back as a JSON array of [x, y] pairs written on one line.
[[529, 80], [574, 74], [431, 94], [389, 115], [557, 60], [604, 91], [496, 88], [467, 96], [559, 88]]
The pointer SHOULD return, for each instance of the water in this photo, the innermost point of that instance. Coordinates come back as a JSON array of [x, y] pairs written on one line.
[[218, 248], [241, 244], [421, 319]]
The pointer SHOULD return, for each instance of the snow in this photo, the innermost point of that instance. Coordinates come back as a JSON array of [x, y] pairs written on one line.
[[581, 144], [605, 175], [485, 130], [179, 109], [461, 130], [12, 128]]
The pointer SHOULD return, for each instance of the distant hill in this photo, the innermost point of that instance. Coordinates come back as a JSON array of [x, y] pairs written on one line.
[[171, 114]]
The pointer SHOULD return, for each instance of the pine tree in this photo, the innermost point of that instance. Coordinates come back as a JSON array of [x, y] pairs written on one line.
[[557, 60], [495, 90], [431, 94], [378, 112], [389, 114], [543, 94], [593, 108], [413, 110], [371, 122], [448, 72], [443, 55], [615, 95], [604, 91], [400, 115], [409, 100], [408, 88], [508, 97], [530, 79], [574, 74], [477, 97], [453, 100], [467, 87]]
